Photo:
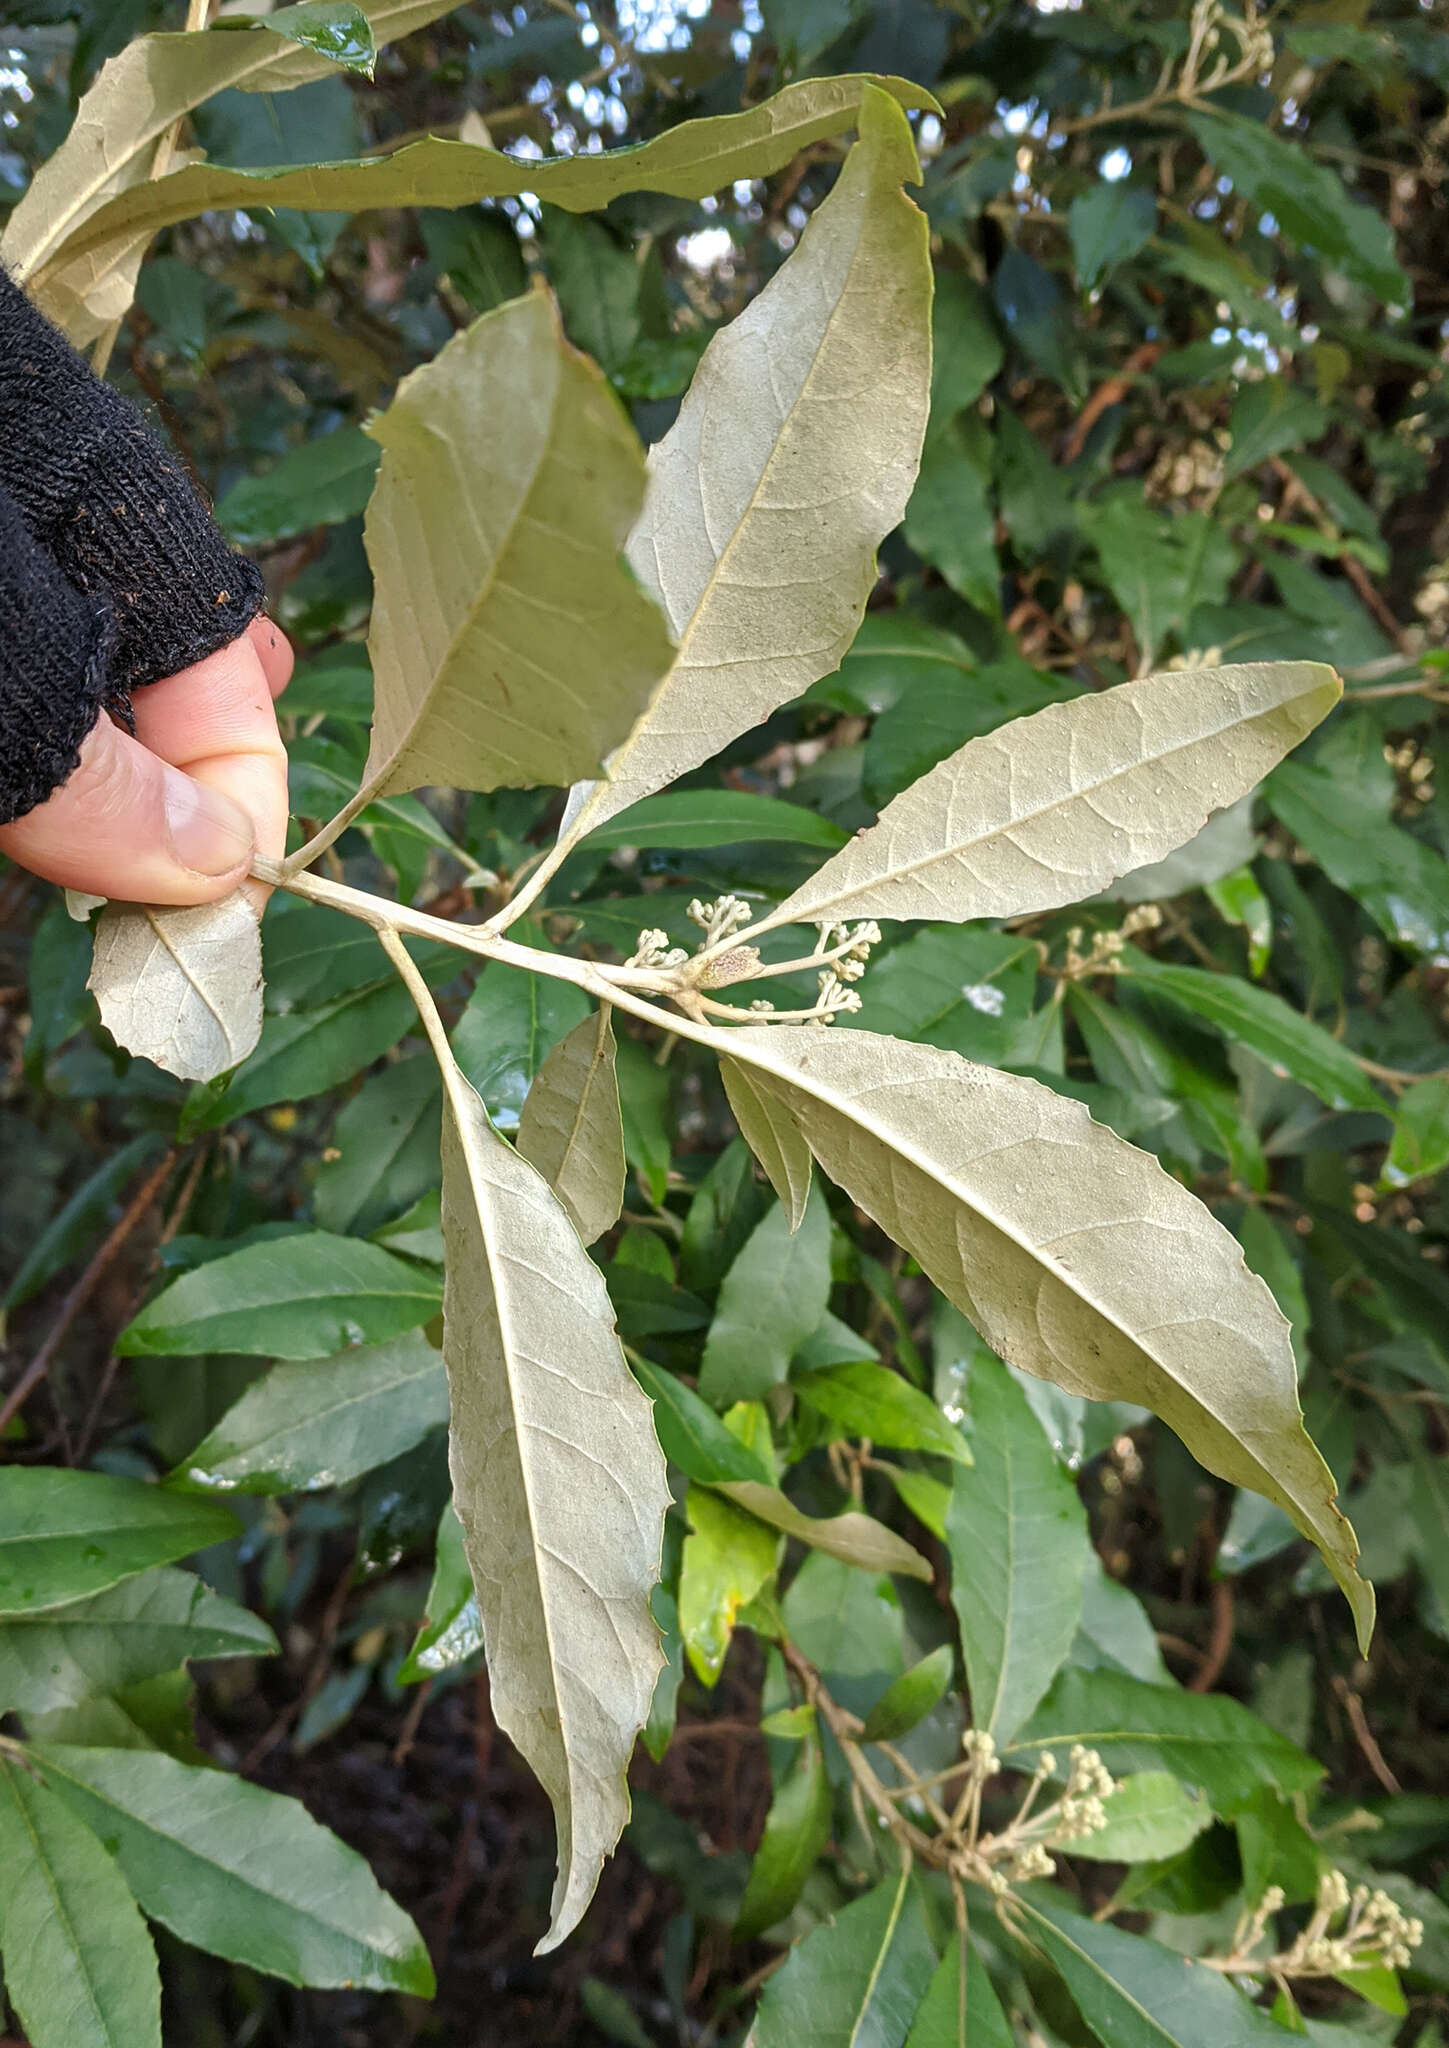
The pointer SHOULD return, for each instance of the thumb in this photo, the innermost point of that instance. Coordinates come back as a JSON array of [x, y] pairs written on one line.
[[127, 825]]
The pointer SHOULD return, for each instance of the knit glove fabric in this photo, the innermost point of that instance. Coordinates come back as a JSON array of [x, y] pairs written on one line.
[[112, 573]]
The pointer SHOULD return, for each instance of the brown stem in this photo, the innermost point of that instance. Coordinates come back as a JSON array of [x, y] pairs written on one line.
[[85, 1287]]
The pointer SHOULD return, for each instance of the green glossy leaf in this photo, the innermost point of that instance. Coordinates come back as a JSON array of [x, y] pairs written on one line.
[[67, 1535], [1204, 1739], [76, 1223], [335, 29], [319, 484], [716, 817], [953, 2015], [797, 1828], [691, 1434], [305, 1296], [306, 1052], [451, 1630], [384, 1151], [771, 1299], [510, 1025], [1149, 1817], [1293, 1045], [909, 1698], [966, 348], [80, 1970], [1109, 224], [1308, 200], [241, 1872], [872, 1401], [1402, 883], [728, 1557], [1017, 1535], [950, 523], [326, 1421], [1133, 1993], [138, 1629], [854, 1982], [1420, 1144]]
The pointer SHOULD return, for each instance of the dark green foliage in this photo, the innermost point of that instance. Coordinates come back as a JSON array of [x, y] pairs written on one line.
[[1188, 408]]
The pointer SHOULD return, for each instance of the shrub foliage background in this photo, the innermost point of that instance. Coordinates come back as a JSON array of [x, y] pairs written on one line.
[[1188, 406]]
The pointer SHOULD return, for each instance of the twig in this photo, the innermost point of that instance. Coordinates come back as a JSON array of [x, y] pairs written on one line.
[[1109, 394], [85, 1287], [407, 1735], [1221, 1640], [1364, 1735], [168, 1230]]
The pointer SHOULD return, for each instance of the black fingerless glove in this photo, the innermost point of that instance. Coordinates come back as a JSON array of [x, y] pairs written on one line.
[[112, 573]]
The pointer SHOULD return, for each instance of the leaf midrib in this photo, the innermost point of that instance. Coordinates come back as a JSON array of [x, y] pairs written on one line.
[[459, 1090], [378, 1391], [810, 906], [617, 763], [61, 1913], [376, 783], [178, 1845], [908, 1151]]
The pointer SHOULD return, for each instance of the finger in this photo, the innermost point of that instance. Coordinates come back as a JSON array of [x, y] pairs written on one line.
[[216, 720], [127, 825], [274, 650]]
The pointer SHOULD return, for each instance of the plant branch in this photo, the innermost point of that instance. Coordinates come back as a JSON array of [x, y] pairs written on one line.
[[85, 1287]]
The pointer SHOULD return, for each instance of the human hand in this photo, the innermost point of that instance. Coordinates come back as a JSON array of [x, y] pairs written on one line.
[[129, 823]]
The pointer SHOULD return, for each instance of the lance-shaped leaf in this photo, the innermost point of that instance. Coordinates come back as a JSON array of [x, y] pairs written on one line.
[[111, 148], [509, 643], [792, 458], [81, 260], [80, 1970], [133, 1630], [181, 987], [1076, 1256], [773, 1137], [852, 1537], [559, 1485], [239, 1871], [571, 1129], [1017, 1534], [1052, 808], [854, 1980], [1133, 1993]]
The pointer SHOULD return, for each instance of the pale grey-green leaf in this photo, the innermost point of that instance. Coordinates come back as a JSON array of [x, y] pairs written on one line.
[[510, 645], [1076, 1256], [792, 458], [773, 1138], [181, 987], [571, 1128], [559, 1484], [1051, 808], [111, 150]]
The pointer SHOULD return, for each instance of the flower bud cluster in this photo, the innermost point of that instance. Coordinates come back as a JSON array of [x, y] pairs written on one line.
[[1080, 1812], [654, 950], [1372, 1929], [718, 919], [849, 947]]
